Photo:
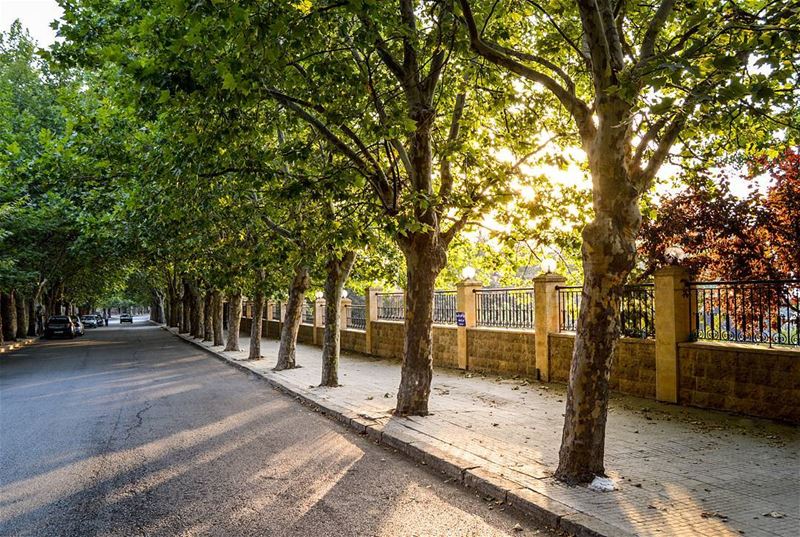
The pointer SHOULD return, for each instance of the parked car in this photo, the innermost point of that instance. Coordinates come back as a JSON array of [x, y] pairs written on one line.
[[125, 318], [59, 325], [78, 325], [90, 321]]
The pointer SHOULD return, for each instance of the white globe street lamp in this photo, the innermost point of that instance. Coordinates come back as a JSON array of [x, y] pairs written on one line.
[[468, 272], [548, 266]]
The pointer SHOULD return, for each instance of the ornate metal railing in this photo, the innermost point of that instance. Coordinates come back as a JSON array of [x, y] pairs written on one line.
[[636, 312], [504, 308], [308, 312], [391, 306], [276, 311], [757, 311], [355, 317], [569, 307], [444, 307]]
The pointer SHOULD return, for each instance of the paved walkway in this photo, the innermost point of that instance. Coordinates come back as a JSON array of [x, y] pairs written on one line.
[[680, 471]]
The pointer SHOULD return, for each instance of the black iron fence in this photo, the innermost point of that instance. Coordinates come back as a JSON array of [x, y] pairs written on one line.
[[308, 312], [355, 317], [569, 307], [444, 307], [762, 311], [504, 308], [637, 309], [391, 306]]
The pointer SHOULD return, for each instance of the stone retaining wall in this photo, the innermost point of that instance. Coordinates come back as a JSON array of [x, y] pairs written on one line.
[[505, 352], [751, 380], [445, 346], [387, 339], [633, 369], [353, 340]]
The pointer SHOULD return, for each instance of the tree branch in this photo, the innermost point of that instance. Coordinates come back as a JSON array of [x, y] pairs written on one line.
[[577, 108], [446, 186]]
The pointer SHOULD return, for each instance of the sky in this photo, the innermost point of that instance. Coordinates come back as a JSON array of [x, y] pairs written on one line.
[[35, 15]]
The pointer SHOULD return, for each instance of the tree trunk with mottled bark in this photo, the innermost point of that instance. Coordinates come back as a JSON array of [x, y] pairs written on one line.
[[157, 305], [258, 318], [9, 308], [200, 308], [234, 321], [218, 309], [186, 309], [338, 270], [609, 255], [32, 324], [22, 315], [425, 258], [287, 353], [208, 316]]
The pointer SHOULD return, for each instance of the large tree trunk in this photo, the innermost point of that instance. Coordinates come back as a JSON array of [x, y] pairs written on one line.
[[186, 313], [200, 313], [9, 309], [218, 308], [22, 315], [257, 320], [208, 316], [32, 321], [287, 353], [425, 258], [609, 254], [157, 306], [338, 271], [234, 321]]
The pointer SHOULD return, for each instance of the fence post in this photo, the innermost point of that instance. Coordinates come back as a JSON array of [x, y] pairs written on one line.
[[370, 314], [672, 327], [465, 303], [545, 303], [343, 304], [319, 314]]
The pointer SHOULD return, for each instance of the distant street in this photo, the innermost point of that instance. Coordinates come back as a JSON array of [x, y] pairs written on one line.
[[130, 431]]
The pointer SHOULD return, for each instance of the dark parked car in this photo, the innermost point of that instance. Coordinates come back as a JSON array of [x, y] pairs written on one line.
[[125, 318], [90, 321], [77, 324], [59, 325]]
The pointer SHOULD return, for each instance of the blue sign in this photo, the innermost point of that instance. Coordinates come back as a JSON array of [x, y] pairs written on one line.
[[461, 319]]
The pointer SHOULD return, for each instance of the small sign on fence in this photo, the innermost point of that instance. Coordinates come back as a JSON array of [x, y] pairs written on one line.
[[461, 319]]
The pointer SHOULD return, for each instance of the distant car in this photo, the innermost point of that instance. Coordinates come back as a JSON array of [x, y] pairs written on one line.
[[78, 325], [125, 318], [90, 321], [59, 325]]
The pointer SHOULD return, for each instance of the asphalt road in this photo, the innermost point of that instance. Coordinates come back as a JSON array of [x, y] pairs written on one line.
[[131, 431]]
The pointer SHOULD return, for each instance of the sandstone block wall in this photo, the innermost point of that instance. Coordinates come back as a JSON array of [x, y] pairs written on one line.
[[445, 346], [353, 340], [633, 371], [751, 380], [506, 352], [387, 339]]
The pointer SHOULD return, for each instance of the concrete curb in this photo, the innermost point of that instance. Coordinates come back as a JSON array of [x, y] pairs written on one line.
[[18, 344], [535, 505]]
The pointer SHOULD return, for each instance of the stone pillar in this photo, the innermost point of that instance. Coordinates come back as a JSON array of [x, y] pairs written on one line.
[[345, 302], [465, 304], [371, 315], [319, 314], [545, 302], [672, 327]]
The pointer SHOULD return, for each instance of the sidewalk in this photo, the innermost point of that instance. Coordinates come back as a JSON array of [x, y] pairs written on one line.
[[9, 346], [680, 471]]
